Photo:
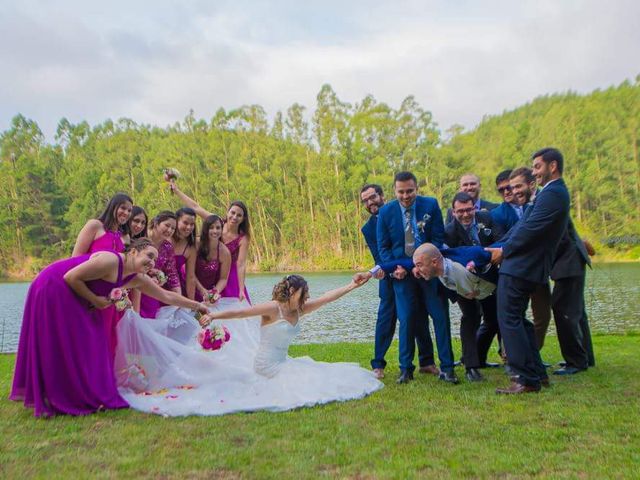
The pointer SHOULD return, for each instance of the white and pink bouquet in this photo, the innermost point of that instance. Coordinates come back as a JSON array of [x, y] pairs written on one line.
[[212, 296], [158, 276], [171, 174], [214, 337], [120, 298]]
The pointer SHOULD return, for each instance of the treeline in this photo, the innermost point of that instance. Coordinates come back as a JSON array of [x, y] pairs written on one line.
[[300, 174]]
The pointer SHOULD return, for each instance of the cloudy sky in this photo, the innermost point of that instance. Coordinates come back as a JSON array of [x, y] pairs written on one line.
[[152, 61]]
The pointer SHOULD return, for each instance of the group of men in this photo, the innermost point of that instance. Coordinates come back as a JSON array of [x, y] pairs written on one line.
[[490, 259]]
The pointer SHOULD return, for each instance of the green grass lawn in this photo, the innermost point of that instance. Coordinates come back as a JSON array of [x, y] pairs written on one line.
[[586, 426]]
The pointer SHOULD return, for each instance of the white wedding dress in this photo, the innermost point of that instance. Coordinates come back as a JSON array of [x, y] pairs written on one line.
[[162, 369]]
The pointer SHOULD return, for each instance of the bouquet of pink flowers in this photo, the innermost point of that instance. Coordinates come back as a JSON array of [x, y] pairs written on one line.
[[158, 276], [214, 337], [120, 298]]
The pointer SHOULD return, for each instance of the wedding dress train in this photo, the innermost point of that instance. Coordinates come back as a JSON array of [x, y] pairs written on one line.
[[161, 368]]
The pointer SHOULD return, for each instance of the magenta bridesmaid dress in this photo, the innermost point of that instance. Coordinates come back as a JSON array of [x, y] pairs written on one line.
[[181, 267], [207, 272], [233, 286], [110, 242], [167, 263], [64, 365]]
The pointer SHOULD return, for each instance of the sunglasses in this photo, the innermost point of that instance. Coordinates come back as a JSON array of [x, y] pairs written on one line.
[[505, 189]]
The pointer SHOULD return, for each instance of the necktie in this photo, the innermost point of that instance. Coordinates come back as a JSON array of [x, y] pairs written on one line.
[[409, 238], [473, 234]]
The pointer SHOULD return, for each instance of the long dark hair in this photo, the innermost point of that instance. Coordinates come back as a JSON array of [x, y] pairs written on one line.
[[191, 239], [245, 226], [108, 217], [161, 217], [135, 211], [203, 249]]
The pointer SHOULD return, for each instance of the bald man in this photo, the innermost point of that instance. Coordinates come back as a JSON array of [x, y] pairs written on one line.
[[470, 183]]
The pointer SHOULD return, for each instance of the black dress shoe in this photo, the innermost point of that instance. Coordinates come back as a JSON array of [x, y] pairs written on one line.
[[449, 377], [546, 365], [562, 364], [405, 377], [568, 371], [474, 375], [490, 365]]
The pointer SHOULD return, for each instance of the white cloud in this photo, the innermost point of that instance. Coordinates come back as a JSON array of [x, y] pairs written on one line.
[[153, 61]]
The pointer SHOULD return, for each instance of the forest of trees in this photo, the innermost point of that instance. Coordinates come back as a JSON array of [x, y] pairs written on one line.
[[300, 173]]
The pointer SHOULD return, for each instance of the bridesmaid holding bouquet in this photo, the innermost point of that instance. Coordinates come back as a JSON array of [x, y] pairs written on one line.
[[236, 235], [63, 364], [213, 261], [165, 273]]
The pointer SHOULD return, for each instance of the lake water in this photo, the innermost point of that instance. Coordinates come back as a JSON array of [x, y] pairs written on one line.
[[612, 296]]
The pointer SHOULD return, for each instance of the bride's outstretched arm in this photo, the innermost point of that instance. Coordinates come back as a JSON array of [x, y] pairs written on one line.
[[262, 309], [332, 295]]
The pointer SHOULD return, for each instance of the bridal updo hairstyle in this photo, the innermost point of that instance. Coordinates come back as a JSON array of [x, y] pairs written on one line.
[[282, 291]]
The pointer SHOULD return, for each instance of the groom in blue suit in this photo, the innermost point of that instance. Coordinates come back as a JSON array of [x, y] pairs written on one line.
[[527, 256], [373, 199], [403, 225]]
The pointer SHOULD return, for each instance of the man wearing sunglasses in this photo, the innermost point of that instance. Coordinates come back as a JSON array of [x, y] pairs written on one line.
[[508, 212]]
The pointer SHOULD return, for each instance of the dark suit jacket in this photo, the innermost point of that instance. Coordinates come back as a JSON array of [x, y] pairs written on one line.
[[571, 256], [503, 218], [484, 205], [455, 235], [390, 228], [370, 236], [531, 247]]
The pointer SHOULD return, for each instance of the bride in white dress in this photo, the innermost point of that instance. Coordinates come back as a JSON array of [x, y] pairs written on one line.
[[162, 369]]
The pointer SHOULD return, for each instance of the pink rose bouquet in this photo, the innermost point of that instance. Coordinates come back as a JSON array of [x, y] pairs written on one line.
[[214, 337], [158, 276], [212, 296], [120, 298]]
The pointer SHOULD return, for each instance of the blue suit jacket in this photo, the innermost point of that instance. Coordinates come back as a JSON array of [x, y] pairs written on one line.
[[529, 251], [390, 228], [503, 217], [370, 236]]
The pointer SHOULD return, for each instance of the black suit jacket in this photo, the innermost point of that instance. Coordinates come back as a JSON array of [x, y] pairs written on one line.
[[571, 256], [484, 205], [531, 247], [455, 235]]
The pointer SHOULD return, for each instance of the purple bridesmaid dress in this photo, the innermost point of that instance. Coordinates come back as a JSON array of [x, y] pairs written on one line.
[[64, 365], [167, 263], [110, 242], [233, 283], [207, 272], [181, 267]]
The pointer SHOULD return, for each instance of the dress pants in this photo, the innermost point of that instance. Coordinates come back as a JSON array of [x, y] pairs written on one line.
[[488, 328], [385, 323], [413, 328], [518, 333], [570, 319], [541, 309], [436, 305], [469, 324]]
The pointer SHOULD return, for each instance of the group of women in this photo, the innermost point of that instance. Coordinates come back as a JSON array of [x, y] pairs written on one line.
[[78, 354]]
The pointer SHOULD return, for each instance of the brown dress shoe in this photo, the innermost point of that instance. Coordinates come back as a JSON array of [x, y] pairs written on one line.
[[378, 373], [432, 369], [544, 381], [516, 388]]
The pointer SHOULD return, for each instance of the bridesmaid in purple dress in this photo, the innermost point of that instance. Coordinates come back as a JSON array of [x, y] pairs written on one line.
[[138, 223], [105, 234], [184, 244], [236, 235], [64, 365], [213, 261], [160, 233]]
